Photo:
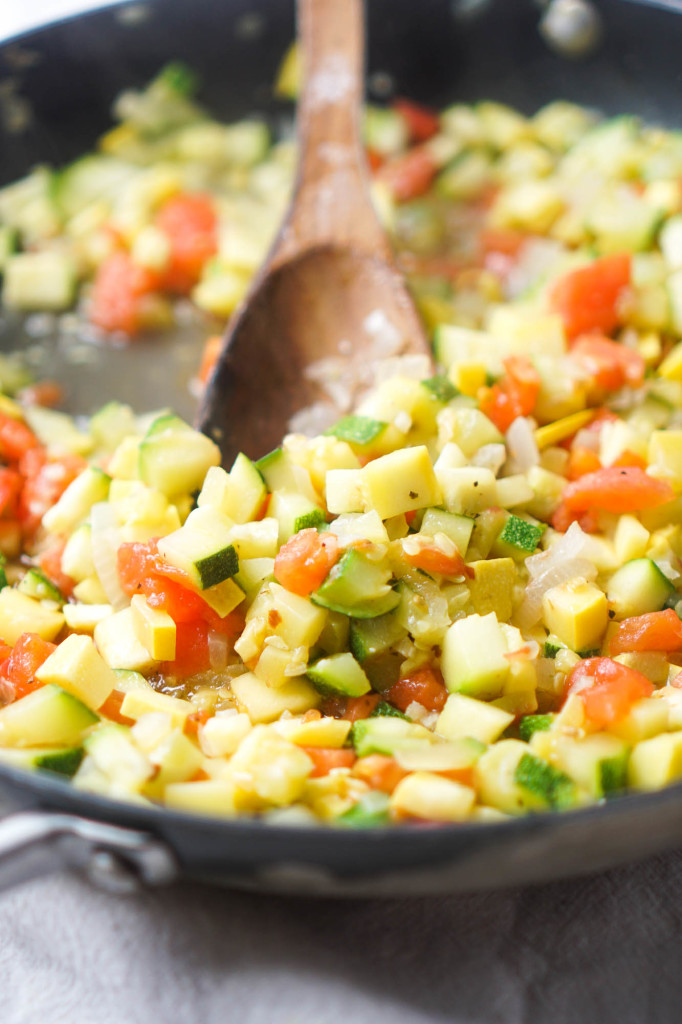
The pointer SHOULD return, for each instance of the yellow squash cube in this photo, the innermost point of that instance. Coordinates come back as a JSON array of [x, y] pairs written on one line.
[[577, 612], [78, 667], [400, 482]]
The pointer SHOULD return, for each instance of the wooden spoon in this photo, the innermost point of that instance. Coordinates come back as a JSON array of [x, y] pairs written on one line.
[[330, 268]]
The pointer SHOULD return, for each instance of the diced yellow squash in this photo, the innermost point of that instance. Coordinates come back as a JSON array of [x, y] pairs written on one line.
[[474, 658], [223, 597], [671, 367], [296, 620], [399, 482], [464, 716], [221, 735], [20, 613], [559, 430], [665, 455], [78, 667], [318, 732], [269, 769], [492, 588], [209, 796], [656, 762], [118, 644], [430, 796], [630, 539], [646, 718], [264, 703], [144, 701], [82, 618], [154, 628], [177, 759], [275, 664], [576, 612]]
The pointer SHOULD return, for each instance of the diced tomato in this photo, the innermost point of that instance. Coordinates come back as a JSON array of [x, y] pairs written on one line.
[[46, 479], [50, 561], [501, 240], [360, 707], [628, 458], [16, 438], [655, 631], [325, 759], [514, 395], [613, 489], [190, 223], [379, 772], [409, 175], [304, 561], [607, 688], [433, 559], [29, 653], [425, 686], [581, 461], [192, 651], [587, 298], [118, 292], [609, 363], [112, 708], [11, 484], [209, 357], [46, 393], [374, 159], [193, 721], [422, 122]]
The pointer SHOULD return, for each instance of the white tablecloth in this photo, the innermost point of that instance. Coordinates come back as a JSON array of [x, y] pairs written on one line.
[[601, 950]]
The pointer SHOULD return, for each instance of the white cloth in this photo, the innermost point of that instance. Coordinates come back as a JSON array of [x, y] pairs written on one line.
[[601, 950]]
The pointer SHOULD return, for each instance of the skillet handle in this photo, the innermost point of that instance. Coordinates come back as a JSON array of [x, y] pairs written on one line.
[[116, 859]]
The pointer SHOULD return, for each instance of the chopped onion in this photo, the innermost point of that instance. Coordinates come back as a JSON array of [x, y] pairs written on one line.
[[537, 256], [522, 447], [668, 568], [561, 562], [106, 540], [217, 650], [490, 456]]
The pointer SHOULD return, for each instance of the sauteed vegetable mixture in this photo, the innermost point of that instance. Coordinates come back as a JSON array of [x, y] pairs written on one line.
[[458, 600]]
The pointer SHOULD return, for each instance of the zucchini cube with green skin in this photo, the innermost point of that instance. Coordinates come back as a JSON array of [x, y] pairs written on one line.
[[20, 613], [253, 572], [545, 781], [294, 512], [174, 458], [49, 715], [113, 752], [457, 527], [638, 587], [239, 494], [358, 431], [111, 424], [531, 724], [519, 538], [400, 482], [296, 619], [465, 716], [474, 658], [177, 759], [202, 548], [339, 674], [372, 637], [577, 613], [256, 540], [58, 760], [78, 667], [495, 778], [358, 587], [371, 811], [36, 584], [597, 763], [384, 735], [90, 487]]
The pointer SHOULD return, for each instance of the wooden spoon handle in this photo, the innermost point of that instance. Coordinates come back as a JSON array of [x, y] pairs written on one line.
[[331, 202]]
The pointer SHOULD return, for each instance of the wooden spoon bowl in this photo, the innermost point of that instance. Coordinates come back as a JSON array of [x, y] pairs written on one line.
[[329, 281]]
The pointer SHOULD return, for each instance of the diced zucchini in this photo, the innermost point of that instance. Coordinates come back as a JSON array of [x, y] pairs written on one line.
[[385, 131], [118, 644], [299, 621], [39, 281], [294, 512], [655, 762], [464, 716], [372, 637], [357, 587], [90, 487], [175, 459], [473, 660], [49, 715], [371, 811], [201, 548], [457, 527], [431, 796], [264, 703], [547, 783], [495, 777], [78, 667], [519, 537], [597, 763], [58, 760], [339, 674], [638, 587], [530, 724], [385, 735], [35, 584], [358, 431]]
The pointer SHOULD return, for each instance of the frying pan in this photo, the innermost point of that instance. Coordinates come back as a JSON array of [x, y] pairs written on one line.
[[436, 51]]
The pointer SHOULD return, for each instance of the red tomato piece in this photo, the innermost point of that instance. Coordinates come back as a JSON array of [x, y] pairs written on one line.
[[422, 122], [501, 240], [581, 461], [192, 651], [16, 438], [46, 479], [432, 559], [616, 489], [29, 653], [655, 631], [11, 484], [303, 563], [611, 364], [587, 299], [50, 561], [607, 688], [425, 686], [112, 708], [379, 772], [409, 175], [356, 708], [325, 759], [190, 223], [514, 395], [118, 292]]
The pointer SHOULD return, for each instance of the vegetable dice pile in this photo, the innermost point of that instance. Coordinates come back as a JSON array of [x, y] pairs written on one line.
[[462, 600]]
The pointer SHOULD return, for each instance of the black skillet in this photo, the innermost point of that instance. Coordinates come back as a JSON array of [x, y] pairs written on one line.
[[432, 50]]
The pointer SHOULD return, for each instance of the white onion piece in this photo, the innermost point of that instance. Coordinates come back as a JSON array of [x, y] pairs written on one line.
[[217, 650], [536, 257], [490, 456], [668, 568], [561, 562], [521, 445], [106, 540], [569, 545], [587, 439]]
